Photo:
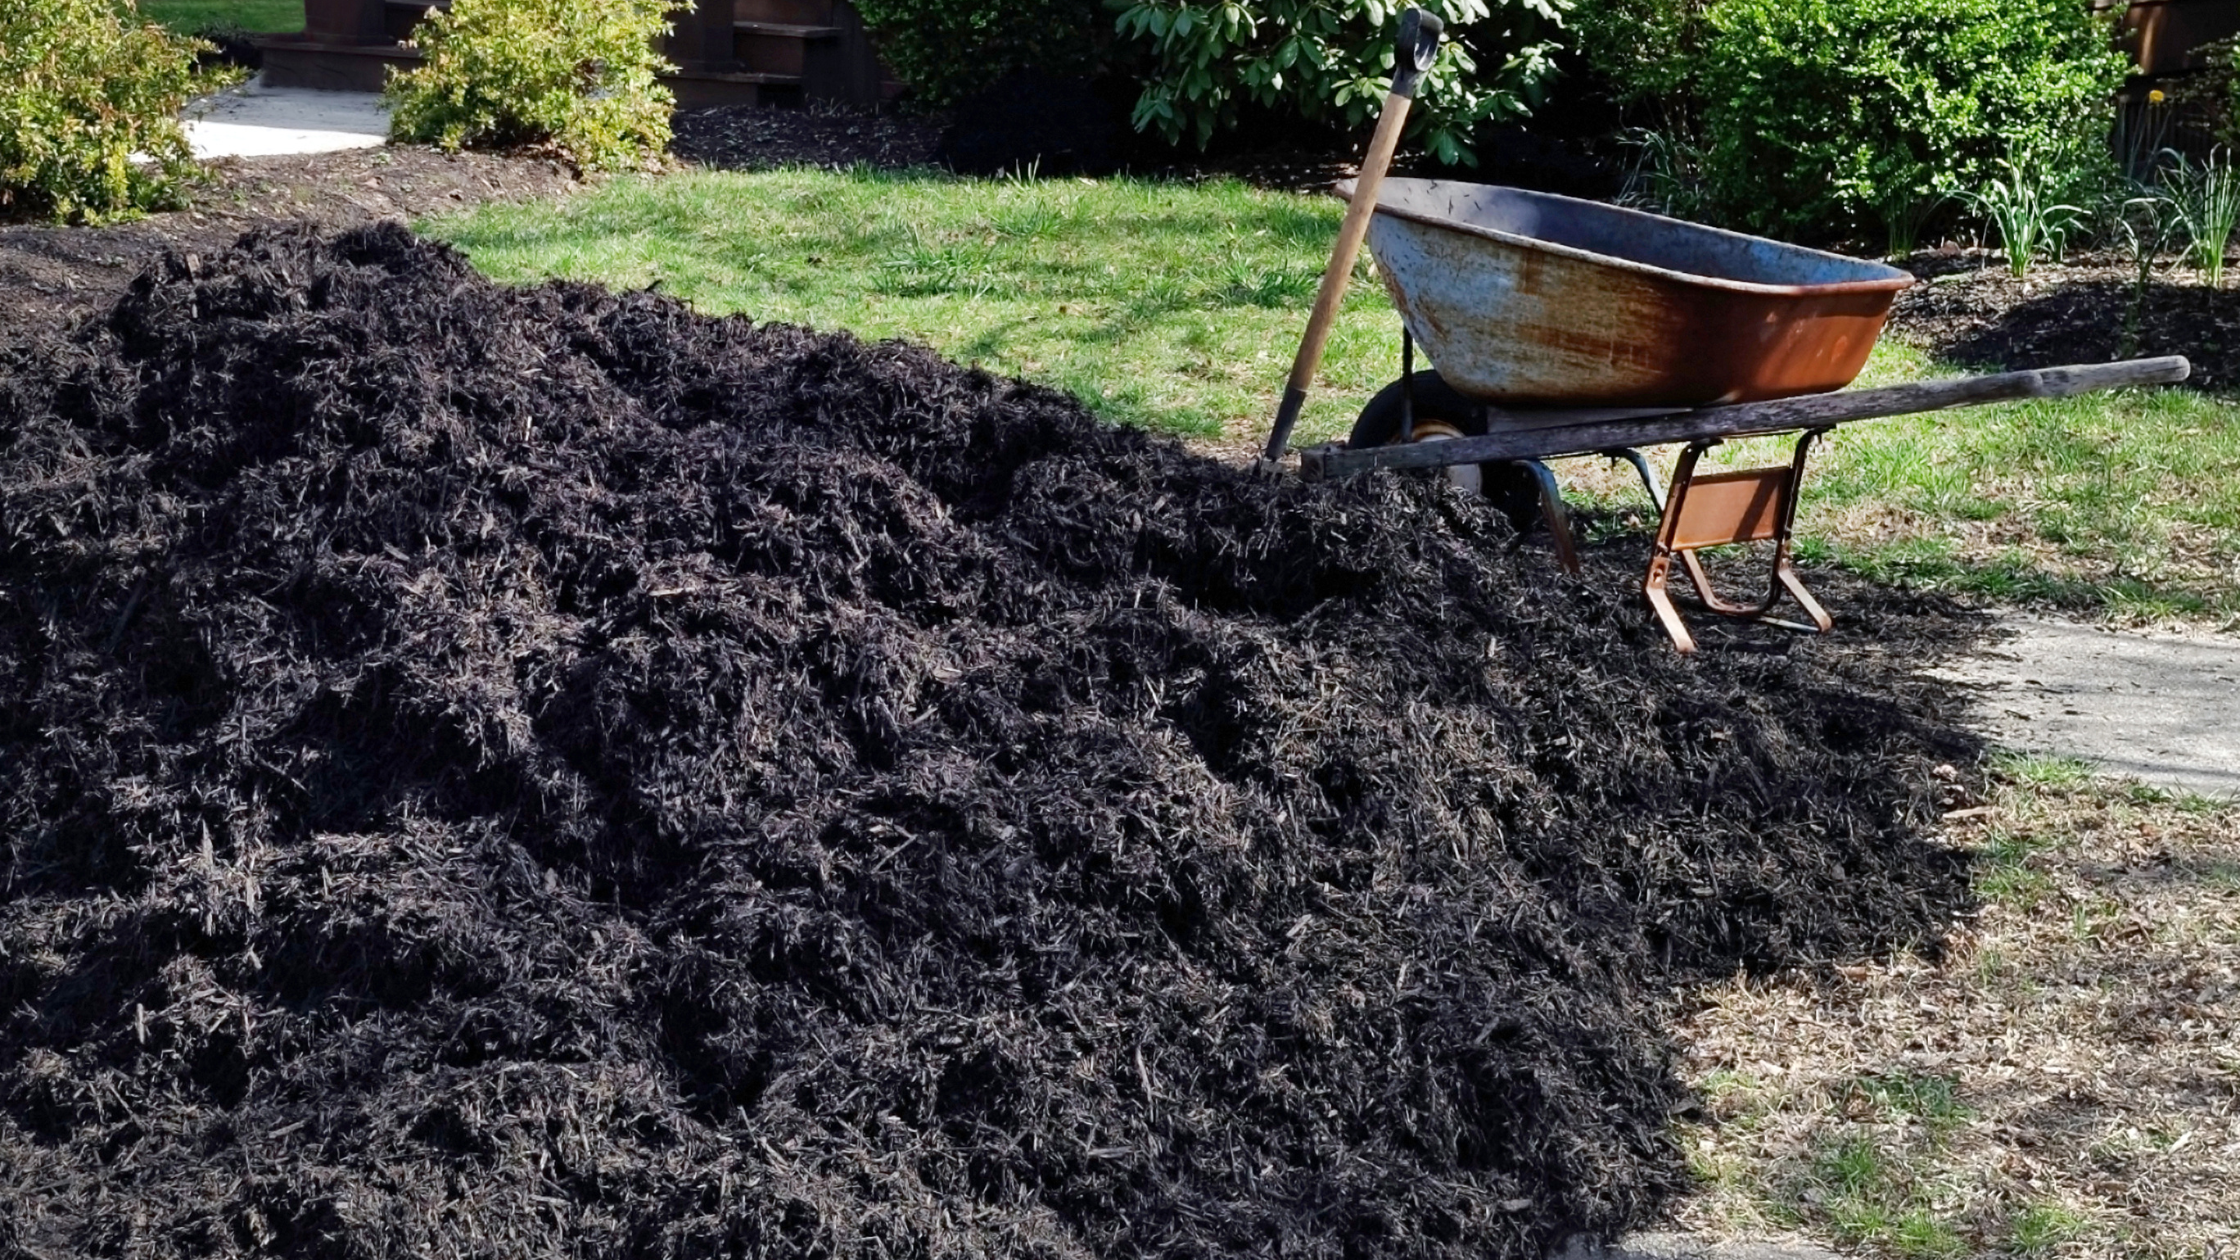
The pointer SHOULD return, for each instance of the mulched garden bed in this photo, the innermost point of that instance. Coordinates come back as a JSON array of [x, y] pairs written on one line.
[[754, 138], [52, 274], [1970, 310], [538, 772]]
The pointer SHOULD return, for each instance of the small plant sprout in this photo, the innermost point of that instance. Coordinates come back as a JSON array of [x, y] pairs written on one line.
[[2143, 225], [2021, 207], [1905, 211]]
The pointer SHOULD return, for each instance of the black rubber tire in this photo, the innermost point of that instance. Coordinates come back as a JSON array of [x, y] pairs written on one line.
[[1512, 487]]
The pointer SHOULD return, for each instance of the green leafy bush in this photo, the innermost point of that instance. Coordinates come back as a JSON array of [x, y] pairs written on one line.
[[1330, 61], [1844, 117], [575, 75], [948, 49], [1648, 51], [1841, 116], [84, 88]]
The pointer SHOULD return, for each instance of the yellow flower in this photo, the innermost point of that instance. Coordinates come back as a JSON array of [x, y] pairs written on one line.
[[2154, 97]]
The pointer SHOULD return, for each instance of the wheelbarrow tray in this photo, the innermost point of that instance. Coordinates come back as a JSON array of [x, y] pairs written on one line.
[[1531, 299]]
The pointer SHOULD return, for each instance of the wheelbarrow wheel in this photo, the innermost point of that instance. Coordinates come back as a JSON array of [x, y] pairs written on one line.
[[1443, 412]]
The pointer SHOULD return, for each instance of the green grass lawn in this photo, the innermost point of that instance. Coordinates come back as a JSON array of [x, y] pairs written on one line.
[[1178, 307], [189, 16], [1166, 305]]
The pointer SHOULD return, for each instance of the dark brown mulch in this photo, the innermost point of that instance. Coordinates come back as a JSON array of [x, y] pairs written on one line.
[[52, 275], [537, 772], [749, 138], [1970, 310]]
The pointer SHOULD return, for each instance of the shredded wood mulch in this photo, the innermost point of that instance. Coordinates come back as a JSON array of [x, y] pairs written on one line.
[[53, 274], [538, 772], [2090, 310], [754, 138]]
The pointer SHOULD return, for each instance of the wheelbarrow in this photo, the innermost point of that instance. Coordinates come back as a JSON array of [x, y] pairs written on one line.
[[1558, 327]]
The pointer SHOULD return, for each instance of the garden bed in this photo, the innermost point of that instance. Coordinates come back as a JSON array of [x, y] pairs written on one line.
[[54, 274], [537, 771], [1970, 310]]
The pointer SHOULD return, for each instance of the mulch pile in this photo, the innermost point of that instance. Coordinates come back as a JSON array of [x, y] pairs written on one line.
[[539, 772]]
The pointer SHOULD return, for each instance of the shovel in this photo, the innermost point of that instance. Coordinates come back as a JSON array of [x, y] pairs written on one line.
[[1419, 43]]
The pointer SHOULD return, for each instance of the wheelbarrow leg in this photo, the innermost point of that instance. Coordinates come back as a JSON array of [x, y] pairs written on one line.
[[1718, 509], [1660, 602], [1648, 475], [1552, 511]]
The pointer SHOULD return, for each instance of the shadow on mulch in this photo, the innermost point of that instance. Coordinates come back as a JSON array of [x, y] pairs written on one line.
[[2076, 313], [538, 772]]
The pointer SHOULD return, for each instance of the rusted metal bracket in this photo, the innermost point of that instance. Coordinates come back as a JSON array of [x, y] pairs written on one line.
[[1723, 509]]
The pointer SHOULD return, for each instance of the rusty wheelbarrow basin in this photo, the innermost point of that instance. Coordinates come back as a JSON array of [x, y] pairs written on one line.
[[1530, 299]]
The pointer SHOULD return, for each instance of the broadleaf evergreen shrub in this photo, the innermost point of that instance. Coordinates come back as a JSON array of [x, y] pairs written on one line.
[[85, 89], [577, 76], [947, 50], [1331, 62], [1648, 51], [1825, 118]]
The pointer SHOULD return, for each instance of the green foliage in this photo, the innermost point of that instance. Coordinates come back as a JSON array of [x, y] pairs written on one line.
[[84, 88], [575, 75], [2207, 198], [948, 49], [1819, 118], [1664, 174], [2021, 204], [205, 17], [1843, 115], [1648, 50], [1331, 61], [2141, 225]]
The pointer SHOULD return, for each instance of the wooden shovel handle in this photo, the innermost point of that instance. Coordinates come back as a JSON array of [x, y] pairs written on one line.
[[1419, 43], [1334, 278]]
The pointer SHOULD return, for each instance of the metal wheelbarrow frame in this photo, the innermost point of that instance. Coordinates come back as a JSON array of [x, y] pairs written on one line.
[[1562, 327], [1692, 520]]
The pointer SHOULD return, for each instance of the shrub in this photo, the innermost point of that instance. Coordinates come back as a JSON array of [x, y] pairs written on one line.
[[1330, 61], [1840, 116], [577, 76], [84, 87], [1647, 50], [947, 50]]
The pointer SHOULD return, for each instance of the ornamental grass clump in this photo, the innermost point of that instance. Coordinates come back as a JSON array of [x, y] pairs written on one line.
[[2022, 205], [2208, 200], [89, 110], [577, 77]]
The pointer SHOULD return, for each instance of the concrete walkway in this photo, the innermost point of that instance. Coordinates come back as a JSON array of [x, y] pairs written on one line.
[[256, 121], [2160, 708], [1671, 1246]]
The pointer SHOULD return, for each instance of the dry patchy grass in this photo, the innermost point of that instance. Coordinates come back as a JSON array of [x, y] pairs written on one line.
[[2065, 1084]]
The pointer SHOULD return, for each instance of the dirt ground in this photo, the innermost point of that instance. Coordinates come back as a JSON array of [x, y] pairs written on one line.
[[53, 274], [2062, 1085], [746, 138]]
